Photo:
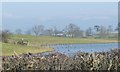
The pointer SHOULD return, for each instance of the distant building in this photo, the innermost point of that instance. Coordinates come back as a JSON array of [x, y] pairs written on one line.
[[69, 35], [59, 34]]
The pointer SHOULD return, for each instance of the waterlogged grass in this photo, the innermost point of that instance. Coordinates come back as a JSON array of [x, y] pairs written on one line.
[[8, 49], [60, 40]]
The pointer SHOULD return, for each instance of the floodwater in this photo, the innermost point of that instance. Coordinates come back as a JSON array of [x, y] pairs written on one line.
[[73, 48]]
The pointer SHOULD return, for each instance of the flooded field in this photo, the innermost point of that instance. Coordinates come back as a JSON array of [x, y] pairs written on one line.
[[73, 48]]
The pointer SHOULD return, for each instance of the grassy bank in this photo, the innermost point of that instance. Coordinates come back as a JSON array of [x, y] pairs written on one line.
[[8, 49], [60, 40]]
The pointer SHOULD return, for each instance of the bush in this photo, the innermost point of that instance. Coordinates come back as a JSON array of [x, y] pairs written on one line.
[[4, 36]]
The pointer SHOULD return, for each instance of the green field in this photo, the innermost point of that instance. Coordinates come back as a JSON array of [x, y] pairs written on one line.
[[8, 49], [60, 40], [34, 41]]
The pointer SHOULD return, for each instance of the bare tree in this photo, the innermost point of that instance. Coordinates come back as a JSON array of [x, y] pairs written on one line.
[[72, 29], [38, 29], [103, 31], [89, 32], [48, 32], [109, 29], [55, 30], [97, 28]]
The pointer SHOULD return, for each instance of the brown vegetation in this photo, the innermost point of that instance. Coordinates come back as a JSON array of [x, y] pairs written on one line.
[[57, 61]]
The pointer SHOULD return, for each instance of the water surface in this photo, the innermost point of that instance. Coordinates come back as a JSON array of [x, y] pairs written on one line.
[[73, 48]]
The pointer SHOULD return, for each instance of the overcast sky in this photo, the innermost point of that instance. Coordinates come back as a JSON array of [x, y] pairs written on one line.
[[24, 15]]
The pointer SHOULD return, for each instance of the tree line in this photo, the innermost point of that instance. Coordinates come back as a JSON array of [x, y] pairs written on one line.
[[71, 30]]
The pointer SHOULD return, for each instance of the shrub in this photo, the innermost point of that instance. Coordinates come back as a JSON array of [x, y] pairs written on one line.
[[4, 36]]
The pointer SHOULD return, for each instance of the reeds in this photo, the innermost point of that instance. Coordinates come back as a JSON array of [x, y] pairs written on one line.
[[58, 61]]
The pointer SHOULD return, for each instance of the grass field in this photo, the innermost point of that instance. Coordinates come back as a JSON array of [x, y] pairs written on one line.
[[8, 49], [60, 40]]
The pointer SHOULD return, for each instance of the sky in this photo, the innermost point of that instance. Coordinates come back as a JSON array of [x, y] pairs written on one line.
[[24, 15]]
